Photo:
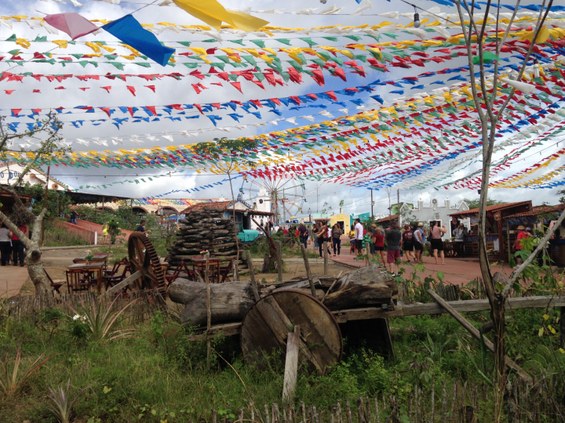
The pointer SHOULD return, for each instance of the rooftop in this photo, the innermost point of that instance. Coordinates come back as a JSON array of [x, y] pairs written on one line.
[[494, 208]]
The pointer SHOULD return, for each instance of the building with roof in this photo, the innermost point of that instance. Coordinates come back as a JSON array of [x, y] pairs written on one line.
[[407, 213], [498, 234], [9, 174], [539, 219]]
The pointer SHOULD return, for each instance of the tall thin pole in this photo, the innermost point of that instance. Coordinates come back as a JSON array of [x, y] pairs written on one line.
[[317, 200], [372, 206]]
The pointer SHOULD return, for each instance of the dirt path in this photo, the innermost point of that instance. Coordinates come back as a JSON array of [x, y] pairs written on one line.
[[14, 280]]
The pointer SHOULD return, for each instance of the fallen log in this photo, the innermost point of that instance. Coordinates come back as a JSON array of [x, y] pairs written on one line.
[[229, 302], [367, 286]]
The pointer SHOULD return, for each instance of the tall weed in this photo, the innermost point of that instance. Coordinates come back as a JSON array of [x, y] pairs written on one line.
[[14, 374], [98, 320], [61, 402]]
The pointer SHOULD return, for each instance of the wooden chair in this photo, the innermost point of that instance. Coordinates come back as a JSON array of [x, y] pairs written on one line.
[[117, 273], [211, 269], [173, 273], [78, 280], [100, 259], [55, 285], [225, 271]]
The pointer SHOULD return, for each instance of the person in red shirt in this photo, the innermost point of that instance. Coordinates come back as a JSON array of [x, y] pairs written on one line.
[[522, 233], [379, 242], [408, 243]]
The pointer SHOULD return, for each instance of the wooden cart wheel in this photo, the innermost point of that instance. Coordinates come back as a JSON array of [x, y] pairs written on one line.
[[266, 326], [143, 257]]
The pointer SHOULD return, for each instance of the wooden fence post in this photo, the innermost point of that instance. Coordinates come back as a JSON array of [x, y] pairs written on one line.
[[291, 365]]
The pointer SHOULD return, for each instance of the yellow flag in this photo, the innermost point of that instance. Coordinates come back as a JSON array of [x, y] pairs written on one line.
[[23, 42], [213, 13]]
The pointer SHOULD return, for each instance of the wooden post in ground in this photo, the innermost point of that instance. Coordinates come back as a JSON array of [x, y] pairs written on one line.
[[325, 247], [562, 327], [279, 262], [254, 286], [308, 271], [475, 332], [291, 365]]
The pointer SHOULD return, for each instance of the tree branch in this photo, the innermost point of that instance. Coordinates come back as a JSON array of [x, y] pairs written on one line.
[[541, 245]]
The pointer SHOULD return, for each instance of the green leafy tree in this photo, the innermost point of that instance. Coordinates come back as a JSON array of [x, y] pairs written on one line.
[[474, 204], [113, 230]]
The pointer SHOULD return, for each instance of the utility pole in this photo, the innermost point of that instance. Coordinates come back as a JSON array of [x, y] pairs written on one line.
[[317, 199], [372, 206]]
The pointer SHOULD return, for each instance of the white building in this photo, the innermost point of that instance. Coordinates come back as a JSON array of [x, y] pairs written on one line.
[[434, 211], [10, 173]]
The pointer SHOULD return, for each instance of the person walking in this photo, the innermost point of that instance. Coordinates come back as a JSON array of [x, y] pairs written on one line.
[[379, 243], [436, 232], [419, 242], [393, 238], [5, 245], [337, 232], [141, 226], [323, 238], [408, 243], [73, 217], [18, 250], [303, 234], [359, 232]]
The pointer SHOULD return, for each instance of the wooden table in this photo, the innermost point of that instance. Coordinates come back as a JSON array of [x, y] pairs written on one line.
[[202, 265], [95, 267]]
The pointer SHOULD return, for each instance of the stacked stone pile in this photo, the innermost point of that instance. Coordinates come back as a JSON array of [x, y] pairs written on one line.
[[204, 230]]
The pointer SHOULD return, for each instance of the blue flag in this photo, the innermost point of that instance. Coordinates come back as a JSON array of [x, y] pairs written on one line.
[[130, 31]]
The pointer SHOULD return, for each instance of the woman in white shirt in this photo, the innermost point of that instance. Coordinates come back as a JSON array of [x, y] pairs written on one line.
[[5, 245]]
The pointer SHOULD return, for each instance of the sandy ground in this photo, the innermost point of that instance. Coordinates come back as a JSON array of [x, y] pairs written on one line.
[[459, 271], [14, 280]]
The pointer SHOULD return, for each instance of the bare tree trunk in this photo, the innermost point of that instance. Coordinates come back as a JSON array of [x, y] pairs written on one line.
[[35, 268], [474, 30]]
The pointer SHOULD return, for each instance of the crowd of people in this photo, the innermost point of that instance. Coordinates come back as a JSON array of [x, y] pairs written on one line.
[[389, 245], [12, 249]]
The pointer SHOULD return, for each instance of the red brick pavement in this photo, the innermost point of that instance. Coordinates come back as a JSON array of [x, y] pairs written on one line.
[[457, 271]]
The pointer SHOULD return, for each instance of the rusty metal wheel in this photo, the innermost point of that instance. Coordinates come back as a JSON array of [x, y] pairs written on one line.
[[143, 257]]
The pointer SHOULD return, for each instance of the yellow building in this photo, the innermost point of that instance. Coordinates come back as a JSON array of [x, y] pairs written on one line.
[[343, 219]]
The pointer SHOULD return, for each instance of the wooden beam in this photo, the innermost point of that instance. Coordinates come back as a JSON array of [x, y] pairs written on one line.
[[121, 285], [308, 272], [475, 332], [434, 308], [368, 313]]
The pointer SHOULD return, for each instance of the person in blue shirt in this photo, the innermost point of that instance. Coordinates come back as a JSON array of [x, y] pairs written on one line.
[[141, 226]]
